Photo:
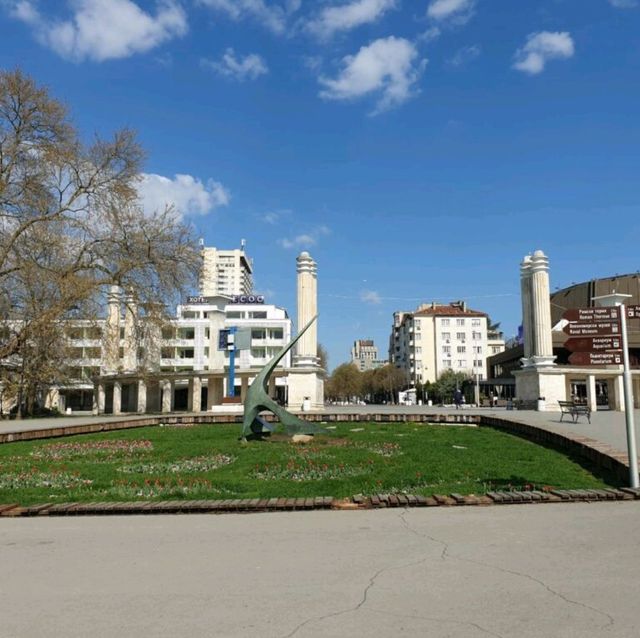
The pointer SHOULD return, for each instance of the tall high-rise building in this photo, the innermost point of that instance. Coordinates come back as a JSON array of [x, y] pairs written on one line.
[[364, 354], [225, 272]]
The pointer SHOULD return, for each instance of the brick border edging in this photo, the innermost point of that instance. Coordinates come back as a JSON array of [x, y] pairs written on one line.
[[377, 501]]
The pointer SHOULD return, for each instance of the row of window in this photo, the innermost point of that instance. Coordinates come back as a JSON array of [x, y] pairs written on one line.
[[461, 336]]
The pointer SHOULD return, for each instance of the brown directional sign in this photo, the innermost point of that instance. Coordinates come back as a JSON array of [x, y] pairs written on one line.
[[591, 314], [594, 344], [596, 358], [592, 328], [633, 312]]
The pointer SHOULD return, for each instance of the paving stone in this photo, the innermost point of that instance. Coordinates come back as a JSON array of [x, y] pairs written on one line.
[[402, 499], [564, 495], [6, 507], [290, 503], [496, 497], [393, 500], [375, 500], [412, 499], [458, 498], [441, 499], [358, 498], [634, 491]]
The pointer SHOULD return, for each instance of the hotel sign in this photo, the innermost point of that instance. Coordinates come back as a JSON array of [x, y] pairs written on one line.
[[235, 299]]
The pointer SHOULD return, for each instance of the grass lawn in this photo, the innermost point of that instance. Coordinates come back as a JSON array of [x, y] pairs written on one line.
[[209, 462]]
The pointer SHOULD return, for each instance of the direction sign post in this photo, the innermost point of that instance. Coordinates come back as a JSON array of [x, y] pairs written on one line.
[[611, 302]]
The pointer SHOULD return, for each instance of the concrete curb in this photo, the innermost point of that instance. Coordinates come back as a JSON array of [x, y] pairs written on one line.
[[376, 501]]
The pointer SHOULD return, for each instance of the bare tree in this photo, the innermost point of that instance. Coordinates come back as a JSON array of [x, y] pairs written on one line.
[[71, 225]]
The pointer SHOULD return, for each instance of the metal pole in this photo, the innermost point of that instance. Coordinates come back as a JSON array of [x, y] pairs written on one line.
[[231, 390], [628, 402]]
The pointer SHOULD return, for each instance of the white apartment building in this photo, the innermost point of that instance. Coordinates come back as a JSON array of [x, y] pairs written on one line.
[[195, 340], [226, 272], [436, 337]]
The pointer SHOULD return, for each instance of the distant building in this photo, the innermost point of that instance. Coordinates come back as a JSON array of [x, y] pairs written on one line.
[[364, 354], [438, 337], [225, 272]]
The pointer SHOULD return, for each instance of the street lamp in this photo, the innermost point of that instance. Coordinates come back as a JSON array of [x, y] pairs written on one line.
[[617, 300]]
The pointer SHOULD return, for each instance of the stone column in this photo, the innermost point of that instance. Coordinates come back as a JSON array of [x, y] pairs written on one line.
[[130, 360], [117, 397], [142, 396], [618, 393], [542, 354], [99, 398], [272, 387], [525, 294], [307, 347], [167, 395], [244, 386], [591, 393], [111, 337], [195, 394]]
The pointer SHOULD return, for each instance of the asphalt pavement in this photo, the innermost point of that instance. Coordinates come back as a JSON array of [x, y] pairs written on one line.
[[519, 571]]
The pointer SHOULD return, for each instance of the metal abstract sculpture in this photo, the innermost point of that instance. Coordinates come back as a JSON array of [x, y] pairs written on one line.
[[258, 399]]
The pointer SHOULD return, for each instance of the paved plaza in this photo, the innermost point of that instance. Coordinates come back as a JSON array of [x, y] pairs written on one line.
[[532, 571]]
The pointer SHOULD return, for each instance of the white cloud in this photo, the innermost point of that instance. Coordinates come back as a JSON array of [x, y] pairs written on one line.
[[457, 10], [370, 296], [348, 16], [104, 29], [624, 4], [272, 16], [305, 240], [540, 48], [388, 66], [431, 34], [188, 194], [464, 56], [250, 67]]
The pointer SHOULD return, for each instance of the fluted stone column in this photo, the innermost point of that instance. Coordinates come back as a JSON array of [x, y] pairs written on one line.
[[167, 395], [111, 337], [130, 361], [525, 294], [542, 354], [307, 347]]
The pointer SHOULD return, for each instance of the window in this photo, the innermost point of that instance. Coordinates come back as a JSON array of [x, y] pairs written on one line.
[[235, 314], [258, 353], [446, 336], [258, 314], [206, 333], [418, 350], [460, 336], [446, 349], [476, 335], [475, 322], [446, 363], [190, 314], [445, 322], [477, 349], [277, 333], [258, 333], [186, 333], [462, 363], [185, 353], [459, 322], [166, 353], [168, 333], [462, 349], [416, 323]]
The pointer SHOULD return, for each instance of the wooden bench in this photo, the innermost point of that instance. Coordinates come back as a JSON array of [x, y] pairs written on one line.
[[575, 410]]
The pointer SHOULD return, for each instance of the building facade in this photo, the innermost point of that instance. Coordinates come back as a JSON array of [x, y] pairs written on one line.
[[225, 272], [364, 354], [438, 337]]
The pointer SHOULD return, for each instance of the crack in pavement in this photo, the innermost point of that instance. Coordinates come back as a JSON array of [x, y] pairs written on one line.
[[440, 620], [365, 594], [445, 554]]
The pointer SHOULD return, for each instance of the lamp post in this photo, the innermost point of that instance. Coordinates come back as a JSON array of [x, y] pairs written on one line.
[[618, 299]]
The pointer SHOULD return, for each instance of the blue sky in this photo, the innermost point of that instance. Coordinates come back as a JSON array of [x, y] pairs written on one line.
[[417, 148]]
